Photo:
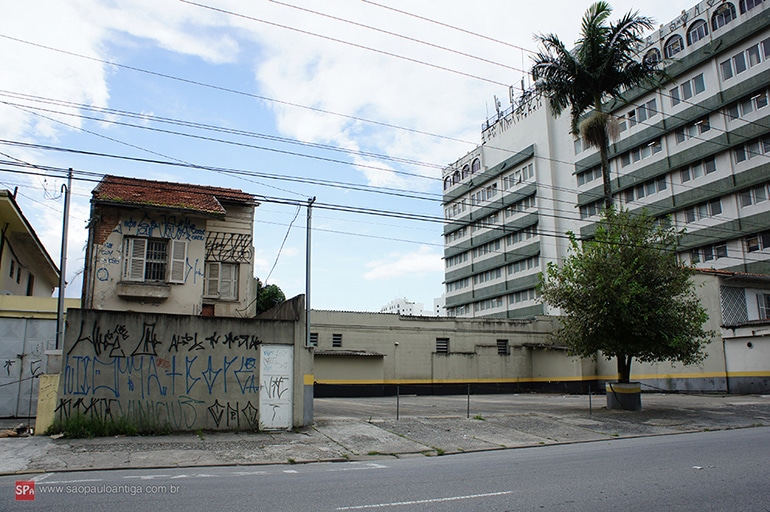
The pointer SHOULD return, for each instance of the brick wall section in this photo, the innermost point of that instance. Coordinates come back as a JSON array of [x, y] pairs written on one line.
[[106, 219]]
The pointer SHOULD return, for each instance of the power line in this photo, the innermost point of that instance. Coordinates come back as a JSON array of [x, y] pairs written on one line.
[[235, 91], [342, 41], [453, 27], [394, 34]]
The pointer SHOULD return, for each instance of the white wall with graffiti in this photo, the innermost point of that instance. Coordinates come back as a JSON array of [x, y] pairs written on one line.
[[185, 372]]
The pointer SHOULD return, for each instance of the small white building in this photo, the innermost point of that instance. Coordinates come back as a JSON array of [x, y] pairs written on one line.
[[403, 307]]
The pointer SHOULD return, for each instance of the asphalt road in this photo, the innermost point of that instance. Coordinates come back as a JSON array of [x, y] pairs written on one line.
[[705, 471]]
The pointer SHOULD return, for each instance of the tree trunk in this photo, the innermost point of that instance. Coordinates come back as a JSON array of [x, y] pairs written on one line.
[[604, 151], [624, 368]]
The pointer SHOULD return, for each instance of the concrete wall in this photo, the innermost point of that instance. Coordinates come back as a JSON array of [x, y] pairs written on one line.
[[402, 350], [188, 372]]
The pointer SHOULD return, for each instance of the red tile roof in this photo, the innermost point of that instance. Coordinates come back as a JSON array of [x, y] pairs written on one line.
[[161, 194]]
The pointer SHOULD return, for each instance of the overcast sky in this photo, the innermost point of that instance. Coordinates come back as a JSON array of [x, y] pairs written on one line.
[[290, 100]]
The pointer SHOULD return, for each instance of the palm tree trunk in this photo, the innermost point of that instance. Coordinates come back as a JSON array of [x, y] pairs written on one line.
[[604, 151]]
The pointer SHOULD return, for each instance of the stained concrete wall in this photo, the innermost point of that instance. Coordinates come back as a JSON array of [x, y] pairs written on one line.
[[188, 372]]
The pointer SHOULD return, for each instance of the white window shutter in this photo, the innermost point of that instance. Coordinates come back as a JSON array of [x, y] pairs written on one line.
[[133, 258], [211, 284], [226, 283], [178, 261]]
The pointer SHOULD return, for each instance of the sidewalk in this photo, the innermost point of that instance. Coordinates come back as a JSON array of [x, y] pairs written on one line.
[[367, 428]]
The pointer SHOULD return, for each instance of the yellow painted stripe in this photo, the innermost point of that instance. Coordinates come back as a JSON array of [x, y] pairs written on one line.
[[309, 381], [623, 389]]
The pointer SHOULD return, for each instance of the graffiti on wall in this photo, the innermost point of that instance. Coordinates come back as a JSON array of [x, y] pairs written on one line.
[[142, 366], [231, 247]]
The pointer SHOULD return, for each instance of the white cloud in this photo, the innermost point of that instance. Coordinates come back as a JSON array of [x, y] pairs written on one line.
[[421, 262]]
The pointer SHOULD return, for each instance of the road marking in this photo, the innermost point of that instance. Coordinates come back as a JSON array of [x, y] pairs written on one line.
[[90, 480], [290, 471], [422, 502], [356, 468], [147, 477]]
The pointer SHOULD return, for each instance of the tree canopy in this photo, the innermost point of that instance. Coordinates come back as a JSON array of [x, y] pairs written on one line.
[[268, 296], [602, 65], [626, 295]]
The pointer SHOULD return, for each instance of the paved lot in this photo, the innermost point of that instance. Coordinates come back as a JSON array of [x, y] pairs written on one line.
[[362, 428]]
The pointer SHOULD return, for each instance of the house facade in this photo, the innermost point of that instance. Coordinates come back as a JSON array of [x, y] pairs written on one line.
[[170, 248], [695, 150], [28, 277], [25, 266]]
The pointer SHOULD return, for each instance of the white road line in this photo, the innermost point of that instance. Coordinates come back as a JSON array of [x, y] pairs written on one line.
[[422, 502], [60, 482]]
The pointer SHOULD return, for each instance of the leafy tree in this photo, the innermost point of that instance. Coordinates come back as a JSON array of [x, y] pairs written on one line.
[[600, 66], [268, 296], [625, 294]]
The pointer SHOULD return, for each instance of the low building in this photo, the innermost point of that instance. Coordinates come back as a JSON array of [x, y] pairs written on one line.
[[170, 248], [371, 353]]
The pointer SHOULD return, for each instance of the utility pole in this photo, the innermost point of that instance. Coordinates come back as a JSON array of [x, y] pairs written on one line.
[[307, 270], [63, 262]]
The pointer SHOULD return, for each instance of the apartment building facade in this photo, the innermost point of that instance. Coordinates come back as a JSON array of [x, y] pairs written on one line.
[[695, 150]]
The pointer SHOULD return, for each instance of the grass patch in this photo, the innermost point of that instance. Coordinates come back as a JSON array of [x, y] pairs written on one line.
[[479, 417], [81, 426]]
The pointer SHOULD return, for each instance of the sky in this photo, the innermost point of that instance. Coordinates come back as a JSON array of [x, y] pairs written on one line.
[[356, 103]]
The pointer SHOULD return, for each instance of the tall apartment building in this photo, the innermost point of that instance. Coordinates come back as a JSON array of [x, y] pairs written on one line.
[[696, 150]]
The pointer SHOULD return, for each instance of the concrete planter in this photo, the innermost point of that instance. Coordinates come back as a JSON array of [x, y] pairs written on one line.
[[626, 396]]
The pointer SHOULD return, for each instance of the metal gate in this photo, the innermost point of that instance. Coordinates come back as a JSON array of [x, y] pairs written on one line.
[[23, 343]]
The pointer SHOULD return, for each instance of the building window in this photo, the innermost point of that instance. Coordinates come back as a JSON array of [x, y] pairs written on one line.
[[336, 340], [703, 211], [698, 30], [502, 348], [313, 340], [687, 90], [522, 296], [747, 105], [652, 57], [691, 131], [747, 5], [221, 280], [442, 345], [13, 267], [673, 46], [647, 188], [723, 15], [698, 169], [150, 259], [591, 209], [746, 59], [752, 149], [589, 176], [758, 242], [763, 304], [753, 195], [30, 285], [475, 166]]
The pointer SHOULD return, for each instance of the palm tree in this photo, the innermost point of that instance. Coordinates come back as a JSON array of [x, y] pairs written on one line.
[[601, 65]]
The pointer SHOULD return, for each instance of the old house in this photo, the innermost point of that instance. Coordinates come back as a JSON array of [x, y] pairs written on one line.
[[28, 277], [170, 248]]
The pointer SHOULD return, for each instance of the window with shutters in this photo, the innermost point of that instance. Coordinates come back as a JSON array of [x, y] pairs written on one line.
[[154, 260], [221, 280]]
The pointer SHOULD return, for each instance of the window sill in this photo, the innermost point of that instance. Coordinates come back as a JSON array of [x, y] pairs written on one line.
[[154, 292]]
